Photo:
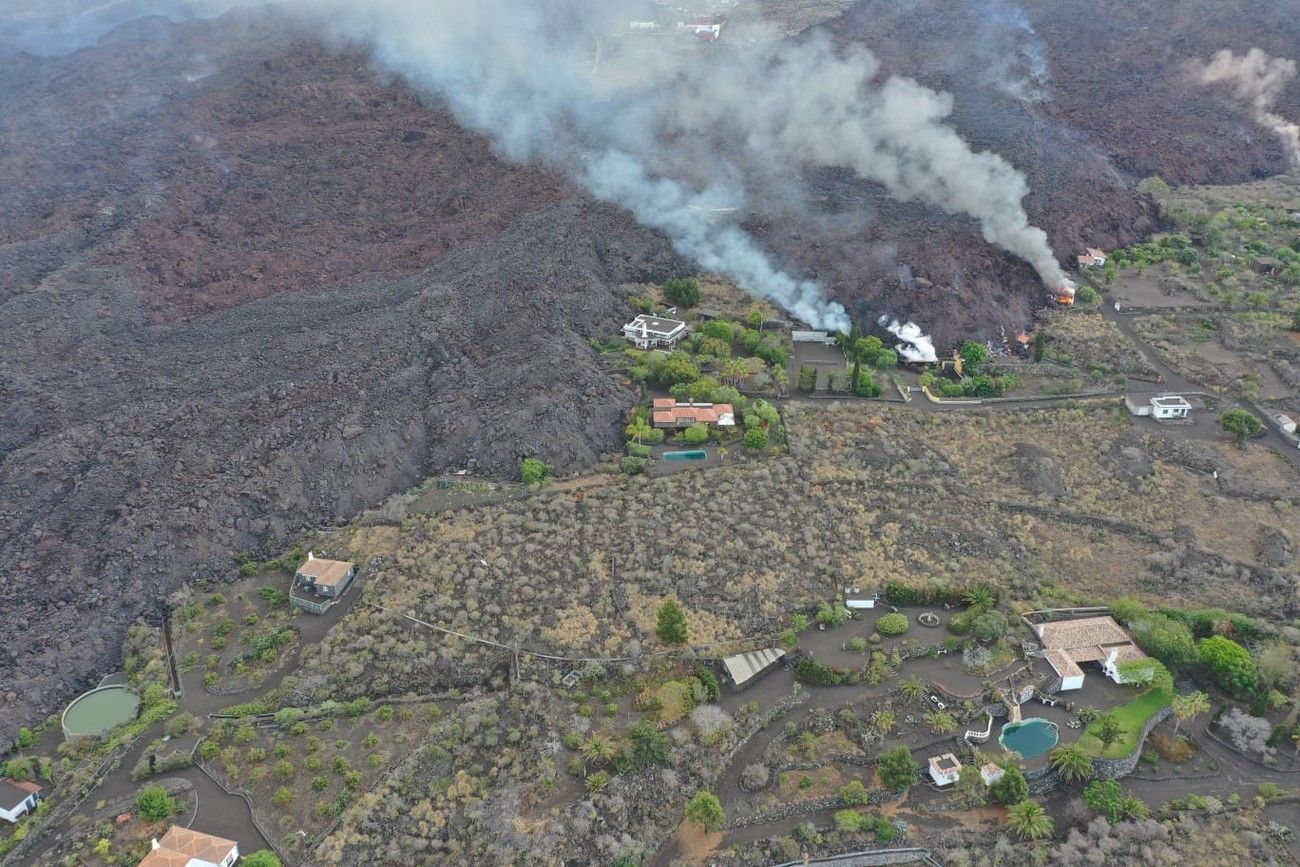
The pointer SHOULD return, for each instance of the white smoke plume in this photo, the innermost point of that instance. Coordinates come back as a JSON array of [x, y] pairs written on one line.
[[658, 128], [1258, 80], [914, 344]]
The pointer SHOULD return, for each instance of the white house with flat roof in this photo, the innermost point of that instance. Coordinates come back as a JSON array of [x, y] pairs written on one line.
[[1162, 407], [648, 332], [18, 798], [945, 769]]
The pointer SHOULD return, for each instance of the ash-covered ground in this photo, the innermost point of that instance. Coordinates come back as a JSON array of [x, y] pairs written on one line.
[[249, 285]]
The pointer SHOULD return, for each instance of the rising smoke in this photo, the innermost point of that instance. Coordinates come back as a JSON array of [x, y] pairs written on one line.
[[659, 130], [913, 343], [1258, 80]]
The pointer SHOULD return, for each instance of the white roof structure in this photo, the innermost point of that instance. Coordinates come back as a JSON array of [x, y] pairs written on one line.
[[744, 666], [653, 326], [1170, 401], [812, 337], [991, 773]]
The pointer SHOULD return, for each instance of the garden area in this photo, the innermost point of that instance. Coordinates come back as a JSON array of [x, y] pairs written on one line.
[[239, 636]]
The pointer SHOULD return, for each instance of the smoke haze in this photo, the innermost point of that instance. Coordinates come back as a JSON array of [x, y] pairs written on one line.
[[670, 133], [1257, 80], [914, 344]]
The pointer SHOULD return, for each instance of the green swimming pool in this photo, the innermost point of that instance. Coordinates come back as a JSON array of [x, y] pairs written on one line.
[[692, 455], [99, 710], [1031, 738]]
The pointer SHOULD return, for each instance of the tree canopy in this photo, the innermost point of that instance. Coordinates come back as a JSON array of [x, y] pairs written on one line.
[[1229, 662], [897, 769], [682, 291], [705, 810], [1240, 423], [671, 627]]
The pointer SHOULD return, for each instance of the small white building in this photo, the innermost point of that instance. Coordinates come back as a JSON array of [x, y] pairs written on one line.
[[813, 337], [648, 332], [856, 600], [1092, 258], [991, 773], [744, 667], [18, 798], [1284, 422], [945, 769], [1162, 407]]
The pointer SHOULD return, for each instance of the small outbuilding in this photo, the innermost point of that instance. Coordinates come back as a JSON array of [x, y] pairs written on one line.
[[744, 667], [991, 773], [945, 769], [1092, 258], [820, 337], [18, 798]]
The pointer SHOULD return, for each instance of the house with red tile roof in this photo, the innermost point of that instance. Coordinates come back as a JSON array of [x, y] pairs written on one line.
[[182, 847], [668, 413]]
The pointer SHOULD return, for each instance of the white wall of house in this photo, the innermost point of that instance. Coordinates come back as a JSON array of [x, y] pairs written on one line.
[[16, 813], [1074, 681]]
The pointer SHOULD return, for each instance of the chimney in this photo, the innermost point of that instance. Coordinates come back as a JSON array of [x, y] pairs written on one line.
[[311, 556]]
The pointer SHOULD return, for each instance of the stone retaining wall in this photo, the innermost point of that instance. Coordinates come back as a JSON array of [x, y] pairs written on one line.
[[1110, 769]]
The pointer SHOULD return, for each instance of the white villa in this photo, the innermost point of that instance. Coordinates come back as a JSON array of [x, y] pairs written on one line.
[[1069, 643], [1162, 407], [1092, 258], [649, 332]]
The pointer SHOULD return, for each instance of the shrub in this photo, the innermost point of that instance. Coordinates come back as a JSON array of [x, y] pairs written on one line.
[[1229, 662], [756, 438], [832, 615], [671, 626], [682, 291], [646, 746], [810, 670], [754, 777], [534, 471], [1012, 788], [854, 794], [696, 434], [705, 810], [154, 804], [893, 623], [261, 858], [283, 797], [989, 626], [632, 466], [897, 769]]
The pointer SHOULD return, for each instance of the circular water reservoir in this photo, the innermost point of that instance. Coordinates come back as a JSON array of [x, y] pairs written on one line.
[[1031, 738], [99, 710]]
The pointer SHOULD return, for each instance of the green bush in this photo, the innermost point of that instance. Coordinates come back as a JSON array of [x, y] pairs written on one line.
[[682, 291], [897, 769], [154, 804], [534, 471], [695, 435], [893, 623], [637, 450], [632, 466], [756, 438], [810, 670]]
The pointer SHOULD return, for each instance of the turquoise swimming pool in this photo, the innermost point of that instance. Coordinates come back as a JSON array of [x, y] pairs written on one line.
[[1031, 738], [692, 455]]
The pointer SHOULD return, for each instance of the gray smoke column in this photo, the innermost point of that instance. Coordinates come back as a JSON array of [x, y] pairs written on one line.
[[658, 128], [1258, 80]]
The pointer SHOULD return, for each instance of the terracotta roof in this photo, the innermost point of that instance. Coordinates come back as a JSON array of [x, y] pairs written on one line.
[[1062, 664], [1126, 653], [325, 573], [687, 414], [179, 845], [1096, 254], [1084, 632]]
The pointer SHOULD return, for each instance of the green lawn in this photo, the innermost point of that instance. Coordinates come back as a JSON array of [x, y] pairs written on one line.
[[1132, 717]]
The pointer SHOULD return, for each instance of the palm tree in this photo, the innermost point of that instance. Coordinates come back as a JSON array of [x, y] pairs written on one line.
[[1029, 820], [883, 720], [1187, 706], [734, 371], [941, 722], [638, 428], [597, 748], [912, 688], [1071, 762]]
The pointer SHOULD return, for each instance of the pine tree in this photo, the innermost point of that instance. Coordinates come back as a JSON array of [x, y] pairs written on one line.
[[671, 628]]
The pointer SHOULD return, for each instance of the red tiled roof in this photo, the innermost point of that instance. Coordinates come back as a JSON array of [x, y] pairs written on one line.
[[179, 845]]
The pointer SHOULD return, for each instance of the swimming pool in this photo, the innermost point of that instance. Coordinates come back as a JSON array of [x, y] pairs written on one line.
[[1031, 738], [692, 455]]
